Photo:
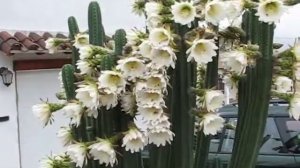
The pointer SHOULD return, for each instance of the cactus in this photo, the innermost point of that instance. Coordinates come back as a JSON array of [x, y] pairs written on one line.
[[96, 30], [68, 81], [73, 30], [180, 95], [253, 110]]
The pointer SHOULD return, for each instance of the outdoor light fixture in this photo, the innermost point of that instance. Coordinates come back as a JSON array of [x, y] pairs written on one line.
[[6, 75]]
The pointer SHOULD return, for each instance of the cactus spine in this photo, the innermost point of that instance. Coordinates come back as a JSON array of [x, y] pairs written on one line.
[[253, 110]]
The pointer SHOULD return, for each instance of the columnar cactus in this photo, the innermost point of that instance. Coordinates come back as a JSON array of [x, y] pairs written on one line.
[[158, 87]]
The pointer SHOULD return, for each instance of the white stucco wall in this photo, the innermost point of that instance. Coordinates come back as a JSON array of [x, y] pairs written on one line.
[[9, 153], [36, 142]]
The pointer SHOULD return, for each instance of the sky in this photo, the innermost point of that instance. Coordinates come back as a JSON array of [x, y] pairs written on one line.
[[51, 15]]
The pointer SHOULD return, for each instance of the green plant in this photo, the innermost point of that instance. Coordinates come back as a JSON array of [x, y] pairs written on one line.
[[159, 87]]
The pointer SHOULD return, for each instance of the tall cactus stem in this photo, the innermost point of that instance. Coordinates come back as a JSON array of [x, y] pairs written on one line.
[[252, 116], [182, 119], [73, 30], [96, 31]]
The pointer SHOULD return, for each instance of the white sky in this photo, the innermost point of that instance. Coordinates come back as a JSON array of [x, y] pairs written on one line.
[[51, 15]]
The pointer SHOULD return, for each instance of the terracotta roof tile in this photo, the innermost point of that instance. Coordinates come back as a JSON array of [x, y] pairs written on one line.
[[20, 42]]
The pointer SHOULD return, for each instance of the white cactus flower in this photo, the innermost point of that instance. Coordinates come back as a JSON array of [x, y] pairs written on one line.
[[131, 67], [153, 8], [84, 67], [154, 21], [150, 98], [211, 123], [156, 82], [74, 111], [163, 57], [128, 102], [55, 161], [104, 152], [214, 99], [88, 95], [43, 112], [202, 51], [51, 44], [160, 37], [183, 12], [294, 108], [296, 51], [65, 135], [283, 84], [150, 113], [111, 82], [145, 48], [234, 9], [81, 40], [134, 140], [160, 137], [108, 100], [85, 52], [215, 11], [77, 153], [235, 61], [270, 11]]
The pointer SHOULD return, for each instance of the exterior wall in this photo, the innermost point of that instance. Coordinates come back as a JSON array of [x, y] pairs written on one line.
[[9, 148], [36, 142]]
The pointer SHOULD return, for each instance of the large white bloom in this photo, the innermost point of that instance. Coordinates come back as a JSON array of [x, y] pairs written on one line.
[[77, 153], [88, 95], [55, 161], [85, 52], [153, 8], [160, 137], [270, 11], [163, 57], [43, 112], [160, 37], [296, 51], [84, 67], [214, 99], [234, 9], [215, 11], [211, 123], [145, 48], [128, 102], [74, 111], [111, 82], [104, 152], [81, 40], [131, 67], [202, 51], [134, 140], [294, 109], [156, 82], [150, 98], [65, 135], [154, 21], [150, 113], [108, 100], [183, 12], [51, 45], [283, 84], [235, 61]]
